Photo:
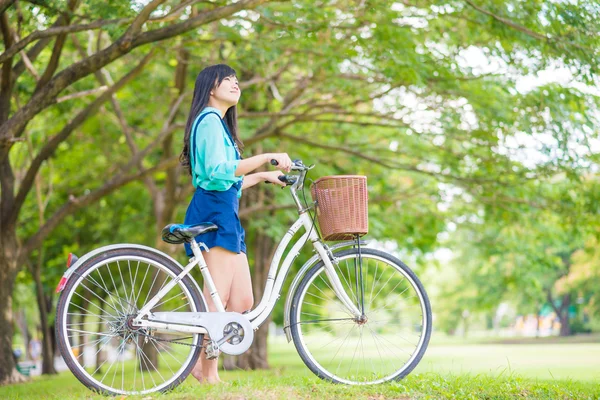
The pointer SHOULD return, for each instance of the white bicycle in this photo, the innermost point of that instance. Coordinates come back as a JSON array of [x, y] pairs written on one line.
[[131, 320]]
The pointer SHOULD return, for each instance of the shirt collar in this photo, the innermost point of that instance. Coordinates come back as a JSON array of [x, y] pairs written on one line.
[[209, 109]]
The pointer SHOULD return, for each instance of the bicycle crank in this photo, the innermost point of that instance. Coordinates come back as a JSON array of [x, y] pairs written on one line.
[[230, 332]]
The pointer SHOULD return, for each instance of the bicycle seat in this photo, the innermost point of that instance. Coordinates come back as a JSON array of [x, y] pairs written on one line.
[[180, 233]]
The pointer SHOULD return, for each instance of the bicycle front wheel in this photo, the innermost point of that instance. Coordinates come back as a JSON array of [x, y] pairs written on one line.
[[385, 344], [96, 338]]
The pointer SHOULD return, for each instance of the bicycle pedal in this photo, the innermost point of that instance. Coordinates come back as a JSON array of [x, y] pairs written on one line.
[[212, 350]]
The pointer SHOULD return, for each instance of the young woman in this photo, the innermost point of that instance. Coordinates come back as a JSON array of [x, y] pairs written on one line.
[[212, 151]]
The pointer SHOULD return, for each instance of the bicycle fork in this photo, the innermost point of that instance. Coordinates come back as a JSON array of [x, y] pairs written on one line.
[[338, 288]]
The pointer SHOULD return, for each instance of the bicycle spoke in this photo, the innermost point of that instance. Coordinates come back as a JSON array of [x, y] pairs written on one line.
[[89, 277], [122, 281], [114, 284], [142, 284], [89, 301], [388, 302], [330, 288], [101, 299], [94, 333], [348, 282], [375, 280], [160, 354], [165, 301], [152, 286], [92, 314], [133, 285]]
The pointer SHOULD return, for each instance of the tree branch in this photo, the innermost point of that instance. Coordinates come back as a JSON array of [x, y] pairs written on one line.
[[81, 94], [182, 27], [47, 95], [247, 211], [56, 51], [58, 30], [385, 163], [521, 28], [51, 146], [6, 82], [29, 65], [75, 203], [551, 301], [4, 4], [139, 21], [175, 12], [269, 127]]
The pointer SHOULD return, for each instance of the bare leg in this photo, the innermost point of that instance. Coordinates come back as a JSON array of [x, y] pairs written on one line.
[[231, 275], [241, 298]]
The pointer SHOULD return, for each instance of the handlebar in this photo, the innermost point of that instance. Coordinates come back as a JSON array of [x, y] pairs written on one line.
[[297, 165], [288, 179], [295, 181]]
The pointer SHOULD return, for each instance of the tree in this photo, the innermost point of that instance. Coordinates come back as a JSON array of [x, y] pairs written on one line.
[[526, 255], [43, 93], [378, 88]]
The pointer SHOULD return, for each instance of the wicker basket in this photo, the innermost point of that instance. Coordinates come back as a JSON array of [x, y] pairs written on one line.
[[342, 206]]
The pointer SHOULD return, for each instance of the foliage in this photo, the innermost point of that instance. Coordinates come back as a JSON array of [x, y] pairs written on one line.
[[439, 103]]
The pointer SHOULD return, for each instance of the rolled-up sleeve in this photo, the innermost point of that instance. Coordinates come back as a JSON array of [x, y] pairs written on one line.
[[212, 152]]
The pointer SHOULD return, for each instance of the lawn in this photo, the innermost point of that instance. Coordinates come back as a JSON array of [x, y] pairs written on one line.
[[450, 369]]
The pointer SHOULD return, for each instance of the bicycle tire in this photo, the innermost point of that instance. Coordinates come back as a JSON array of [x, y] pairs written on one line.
[[195, 300], [296, 307]]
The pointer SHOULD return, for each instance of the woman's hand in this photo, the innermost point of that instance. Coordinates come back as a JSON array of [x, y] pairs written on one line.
[[272, 177], [284, 162]]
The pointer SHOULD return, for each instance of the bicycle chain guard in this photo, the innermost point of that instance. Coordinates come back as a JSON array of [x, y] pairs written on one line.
[[230, 332]]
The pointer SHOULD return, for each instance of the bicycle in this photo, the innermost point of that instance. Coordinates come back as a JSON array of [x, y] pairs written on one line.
[[333, 308]]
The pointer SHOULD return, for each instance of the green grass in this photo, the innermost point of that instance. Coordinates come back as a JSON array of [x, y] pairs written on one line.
[[549, 361], [450, 369]]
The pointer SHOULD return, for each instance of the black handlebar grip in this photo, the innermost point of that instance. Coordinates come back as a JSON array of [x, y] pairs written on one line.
[[282, 178]]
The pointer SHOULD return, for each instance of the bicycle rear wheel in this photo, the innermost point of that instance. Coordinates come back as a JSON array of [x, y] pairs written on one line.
[[93, 323], [386, 345]]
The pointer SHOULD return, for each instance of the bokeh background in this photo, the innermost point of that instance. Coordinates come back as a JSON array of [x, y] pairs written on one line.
[[476, 123]]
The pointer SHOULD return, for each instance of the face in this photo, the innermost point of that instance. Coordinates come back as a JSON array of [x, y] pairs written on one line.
[[228, 92]]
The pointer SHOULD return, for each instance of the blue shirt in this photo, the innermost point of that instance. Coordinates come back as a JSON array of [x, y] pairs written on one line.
[[214, 160]]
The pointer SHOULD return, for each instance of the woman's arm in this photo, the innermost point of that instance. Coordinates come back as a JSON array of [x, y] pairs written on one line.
[[258, 177], [251, 163], [212, 154]]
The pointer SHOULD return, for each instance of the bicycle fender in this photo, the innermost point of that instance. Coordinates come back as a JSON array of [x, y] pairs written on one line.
[[100, 250], [303, 270]]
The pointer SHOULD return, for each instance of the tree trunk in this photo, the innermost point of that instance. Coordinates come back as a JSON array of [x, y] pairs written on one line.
[[8, 271], [257, 356], [565, 325], [562, 312], [44, 307], [21, 320], [164, 200]]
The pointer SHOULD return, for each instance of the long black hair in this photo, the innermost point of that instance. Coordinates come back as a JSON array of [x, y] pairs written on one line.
[[208, 79]]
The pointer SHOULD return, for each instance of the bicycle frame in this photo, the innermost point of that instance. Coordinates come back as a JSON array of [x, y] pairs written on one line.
[[275, 278]]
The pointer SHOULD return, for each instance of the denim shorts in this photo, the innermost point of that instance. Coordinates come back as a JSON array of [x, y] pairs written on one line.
[[220, 208]]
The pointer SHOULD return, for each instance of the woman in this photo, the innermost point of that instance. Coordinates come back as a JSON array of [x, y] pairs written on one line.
[[212, 151]]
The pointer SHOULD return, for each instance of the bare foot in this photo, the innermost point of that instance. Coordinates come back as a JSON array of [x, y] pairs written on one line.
[[197, 372], [210, 380]]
